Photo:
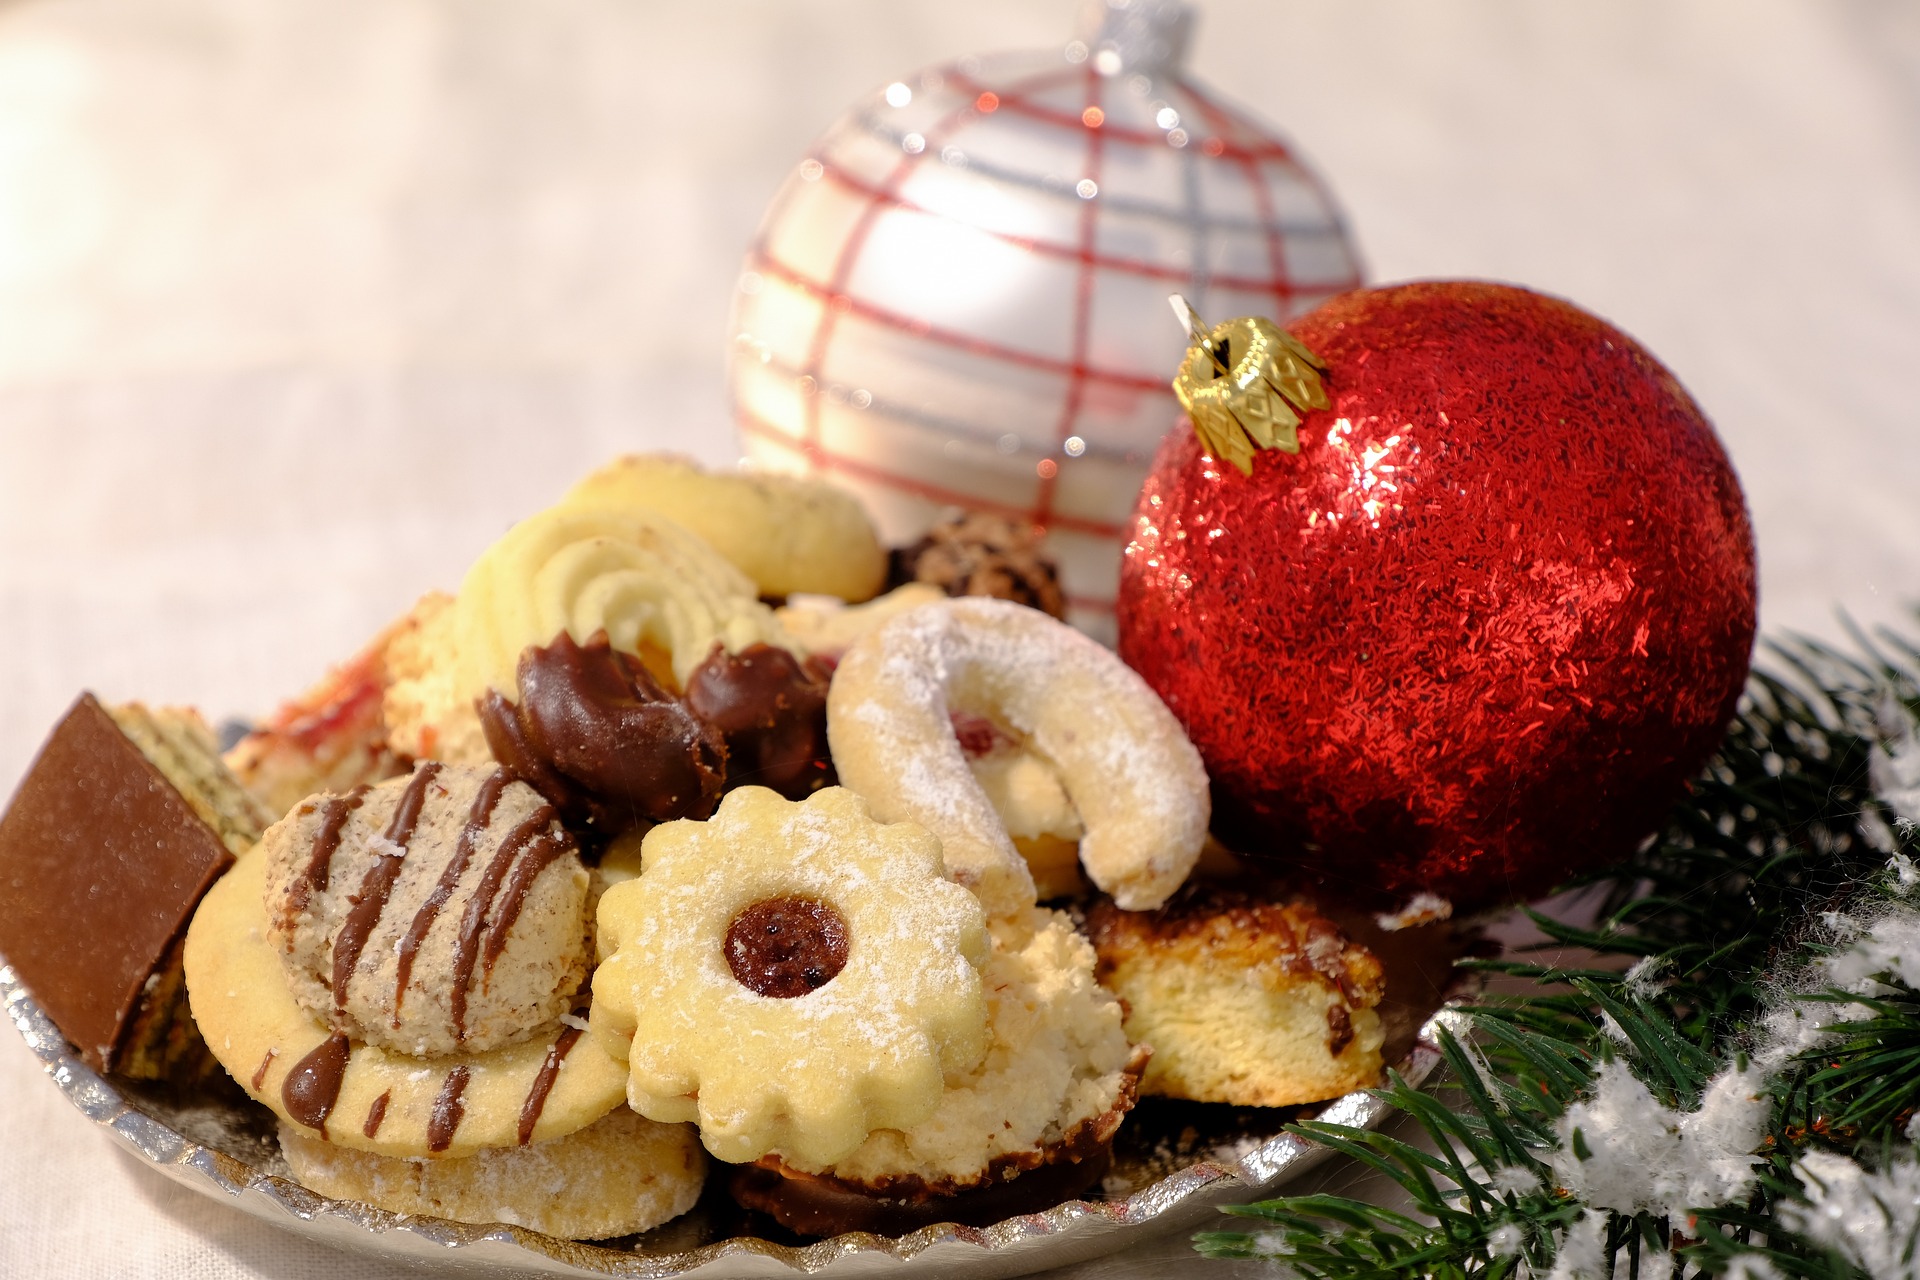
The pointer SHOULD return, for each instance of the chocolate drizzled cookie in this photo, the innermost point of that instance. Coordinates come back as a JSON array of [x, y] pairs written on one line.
[[433, 914]]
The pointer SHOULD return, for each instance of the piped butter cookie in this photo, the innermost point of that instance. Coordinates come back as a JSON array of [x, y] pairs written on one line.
[[650, 584], [787, 533], [791, 976], [657, 592]]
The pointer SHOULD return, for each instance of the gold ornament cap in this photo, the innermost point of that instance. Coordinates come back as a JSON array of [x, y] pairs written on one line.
[[1243, 384]]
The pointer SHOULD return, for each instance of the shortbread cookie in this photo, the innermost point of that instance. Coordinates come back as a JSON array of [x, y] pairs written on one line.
[[620, 1175], [1134, 779], [1025, 790], [1058, 1077], [360, 1096], [787, 533], [1244, 1001], [791, 976], [829, 627]]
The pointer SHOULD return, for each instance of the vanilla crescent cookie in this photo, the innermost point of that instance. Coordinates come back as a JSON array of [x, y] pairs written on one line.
[[1132, 775], [790, 534], [791, 976]]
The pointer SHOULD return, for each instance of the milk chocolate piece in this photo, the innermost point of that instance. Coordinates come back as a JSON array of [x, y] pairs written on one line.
[[102, 862]]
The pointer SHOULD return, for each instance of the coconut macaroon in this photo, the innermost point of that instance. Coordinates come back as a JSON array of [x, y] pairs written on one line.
[[1058, 1078], [1243, 1001], [428, 915]]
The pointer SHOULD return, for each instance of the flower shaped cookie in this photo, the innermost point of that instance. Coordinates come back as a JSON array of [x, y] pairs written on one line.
[[792, 977]]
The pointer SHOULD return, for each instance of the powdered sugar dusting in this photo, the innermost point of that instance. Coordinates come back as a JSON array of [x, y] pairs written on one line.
[[1136, 781], [816, 1072]]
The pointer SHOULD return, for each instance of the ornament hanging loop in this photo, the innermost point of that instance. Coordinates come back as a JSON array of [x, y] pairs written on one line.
[[1244, 384]]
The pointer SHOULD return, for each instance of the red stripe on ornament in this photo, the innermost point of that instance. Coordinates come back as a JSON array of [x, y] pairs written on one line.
[[1048, 468], [1283, 288], [1259, 149], [827, 460], [849, 256], [1128, 266], [1263, 202], [764, 261]]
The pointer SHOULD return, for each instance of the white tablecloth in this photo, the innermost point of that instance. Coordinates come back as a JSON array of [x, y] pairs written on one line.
[[303, 301]]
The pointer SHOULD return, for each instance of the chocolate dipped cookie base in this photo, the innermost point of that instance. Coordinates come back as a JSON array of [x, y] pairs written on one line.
[[1019, 1182], [817, 1206]]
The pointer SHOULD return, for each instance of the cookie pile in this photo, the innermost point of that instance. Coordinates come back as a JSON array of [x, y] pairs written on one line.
[[696, 836]]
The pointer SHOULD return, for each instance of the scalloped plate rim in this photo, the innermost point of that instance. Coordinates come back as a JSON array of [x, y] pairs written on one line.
[[1074, 1231]]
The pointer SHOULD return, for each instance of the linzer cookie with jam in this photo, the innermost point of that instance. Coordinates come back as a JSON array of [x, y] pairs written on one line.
[[392, 971], [792, 977], [123, 821]]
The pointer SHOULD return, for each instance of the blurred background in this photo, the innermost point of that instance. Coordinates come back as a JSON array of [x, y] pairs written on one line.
[[302, 302]]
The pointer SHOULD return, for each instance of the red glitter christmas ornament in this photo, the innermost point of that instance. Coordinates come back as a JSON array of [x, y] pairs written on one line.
[[1477, 632]]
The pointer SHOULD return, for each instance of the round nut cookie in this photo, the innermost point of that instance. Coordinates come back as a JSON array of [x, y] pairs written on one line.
[[439, 913], [359, 1096], [790, 534], [620, 1175], [792, 976]]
